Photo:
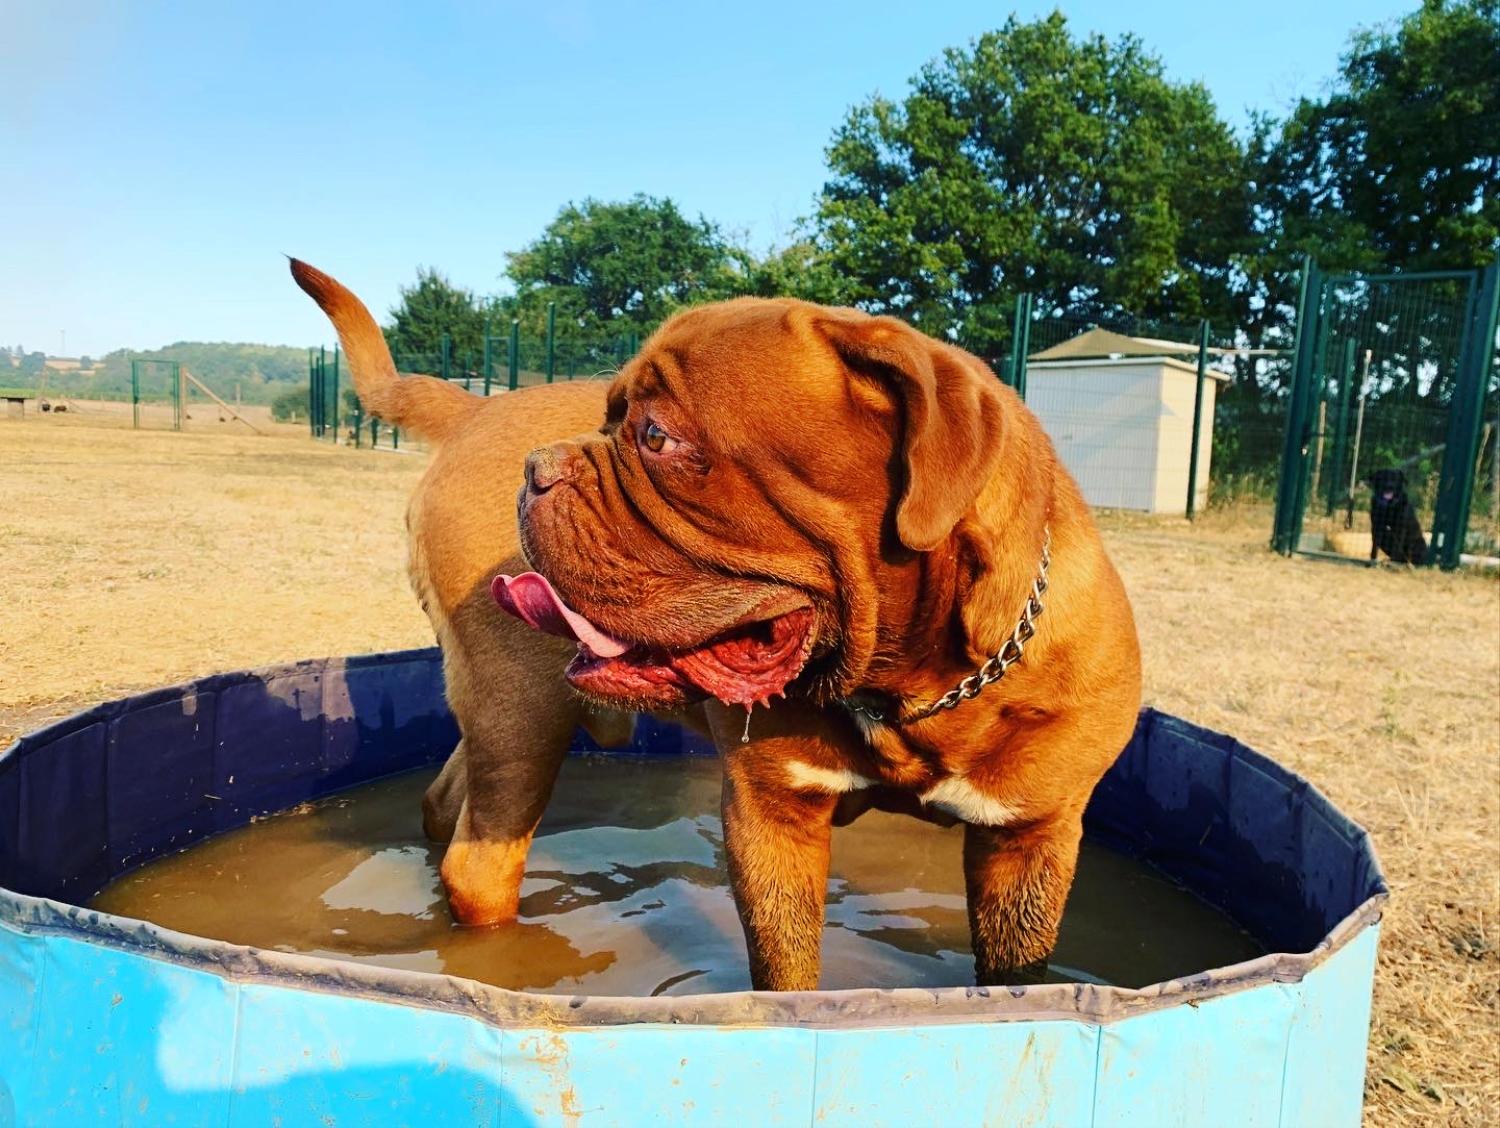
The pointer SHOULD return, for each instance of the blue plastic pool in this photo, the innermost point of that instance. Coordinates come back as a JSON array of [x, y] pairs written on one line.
[[108, 1020]]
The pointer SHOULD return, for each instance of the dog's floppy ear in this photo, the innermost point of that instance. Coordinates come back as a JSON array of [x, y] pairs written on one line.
[[952, 418]]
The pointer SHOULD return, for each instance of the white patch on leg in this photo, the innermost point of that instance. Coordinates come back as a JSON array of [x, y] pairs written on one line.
[[836, 780], [963, 800]]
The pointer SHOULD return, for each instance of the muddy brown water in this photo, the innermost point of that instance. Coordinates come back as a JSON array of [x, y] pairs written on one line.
[[626, 894]]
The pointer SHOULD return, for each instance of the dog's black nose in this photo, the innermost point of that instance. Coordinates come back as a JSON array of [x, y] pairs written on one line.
[[545, 467]]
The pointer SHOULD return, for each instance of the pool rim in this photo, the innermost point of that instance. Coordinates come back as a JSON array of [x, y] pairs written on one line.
[[862, 1007]]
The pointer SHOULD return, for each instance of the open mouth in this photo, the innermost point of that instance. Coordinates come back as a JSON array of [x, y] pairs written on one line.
[[747, 664]]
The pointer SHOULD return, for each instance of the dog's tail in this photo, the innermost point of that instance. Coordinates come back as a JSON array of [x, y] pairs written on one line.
[[424, 405]]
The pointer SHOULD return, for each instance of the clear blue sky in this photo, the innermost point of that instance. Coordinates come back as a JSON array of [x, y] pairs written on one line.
[[156, 159]]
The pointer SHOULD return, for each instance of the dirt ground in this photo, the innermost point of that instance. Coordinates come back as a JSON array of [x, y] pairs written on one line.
[[135, 559]]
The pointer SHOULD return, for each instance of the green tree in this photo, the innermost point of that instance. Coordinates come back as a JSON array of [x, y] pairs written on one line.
[[290, 405], [1032, 160], [1398, 167], [427, 311], [800, 270], [623, 265]]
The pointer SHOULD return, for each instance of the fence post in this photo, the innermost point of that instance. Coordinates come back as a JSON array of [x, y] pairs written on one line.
[[312, 392], [447, 349], [1450, 521], [323, 390], [486, 360], [135, 394], [359, 427], [374, 432], [1192, 497], [1341, 427], [551, 340], [1020, 343], [515, 353], [1289, 494], [395, 438]]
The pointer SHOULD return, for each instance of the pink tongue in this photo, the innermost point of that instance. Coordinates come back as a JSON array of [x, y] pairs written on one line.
[[531, 598]]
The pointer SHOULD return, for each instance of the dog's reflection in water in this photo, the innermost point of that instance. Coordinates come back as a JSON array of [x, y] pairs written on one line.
[[627, 894]]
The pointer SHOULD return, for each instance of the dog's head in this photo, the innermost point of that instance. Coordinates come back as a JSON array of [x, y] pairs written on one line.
[[764, 470], [1388, 486]]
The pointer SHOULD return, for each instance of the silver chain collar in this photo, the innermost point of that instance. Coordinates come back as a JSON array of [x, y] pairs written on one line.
[[993, 669]]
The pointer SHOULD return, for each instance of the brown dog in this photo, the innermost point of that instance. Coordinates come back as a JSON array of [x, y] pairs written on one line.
[[822, 516]]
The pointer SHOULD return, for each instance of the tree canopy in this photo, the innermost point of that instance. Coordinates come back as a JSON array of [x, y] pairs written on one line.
[[429, 310], [629, 263], [1398, 167], [1033, 160]]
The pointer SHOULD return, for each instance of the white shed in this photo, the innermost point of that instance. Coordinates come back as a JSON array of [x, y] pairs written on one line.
[[1119, 411]]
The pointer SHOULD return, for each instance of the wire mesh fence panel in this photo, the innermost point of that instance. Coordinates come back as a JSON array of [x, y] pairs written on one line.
[[1249, 428], [1386, 362]]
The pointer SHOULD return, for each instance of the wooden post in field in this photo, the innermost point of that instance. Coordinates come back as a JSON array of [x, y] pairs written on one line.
[[209, 392], [1318, 450], [1495, 475]]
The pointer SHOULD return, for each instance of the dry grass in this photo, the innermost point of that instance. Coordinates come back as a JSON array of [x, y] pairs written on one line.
[[136, 559]]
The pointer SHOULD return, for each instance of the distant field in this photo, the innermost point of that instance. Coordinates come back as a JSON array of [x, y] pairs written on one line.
[[133, 559]]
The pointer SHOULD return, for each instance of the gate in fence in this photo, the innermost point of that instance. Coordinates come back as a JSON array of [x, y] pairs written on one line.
[[1391, 418], [150, 379]]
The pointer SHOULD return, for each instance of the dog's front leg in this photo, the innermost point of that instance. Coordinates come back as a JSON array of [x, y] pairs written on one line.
[[1018, 881], [778, 841], [778, 824]]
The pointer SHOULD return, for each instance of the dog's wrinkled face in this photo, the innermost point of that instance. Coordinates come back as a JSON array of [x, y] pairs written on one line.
[[760, 463]]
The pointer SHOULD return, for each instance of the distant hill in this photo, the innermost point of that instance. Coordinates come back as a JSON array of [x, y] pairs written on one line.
[[262, 371]]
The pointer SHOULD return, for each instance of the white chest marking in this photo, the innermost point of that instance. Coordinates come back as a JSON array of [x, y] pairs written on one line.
[[837, 780], [963, 800]]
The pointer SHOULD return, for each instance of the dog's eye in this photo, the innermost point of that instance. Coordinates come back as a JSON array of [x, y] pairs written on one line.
[[656, 440]]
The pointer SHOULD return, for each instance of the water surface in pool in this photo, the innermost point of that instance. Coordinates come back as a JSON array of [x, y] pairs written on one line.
[[626, 894]]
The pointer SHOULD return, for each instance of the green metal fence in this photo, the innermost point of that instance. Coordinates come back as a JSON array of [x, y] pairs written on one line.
[[507, 359], [1376, 372], [1392, 373]]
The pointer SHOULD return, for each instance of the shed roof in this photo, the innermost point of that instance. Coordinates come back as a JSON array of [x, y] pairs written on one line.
[[1098, 343]]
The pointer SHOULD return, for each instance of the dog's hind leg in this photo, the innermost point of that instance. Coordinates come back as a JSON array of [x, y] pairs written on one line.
[[444, 798], [517, 716], [509, 769]]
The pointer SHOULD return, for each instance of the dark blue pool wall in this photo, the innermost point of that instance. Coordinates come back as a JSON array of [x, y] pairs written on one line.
[[107, 790]]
